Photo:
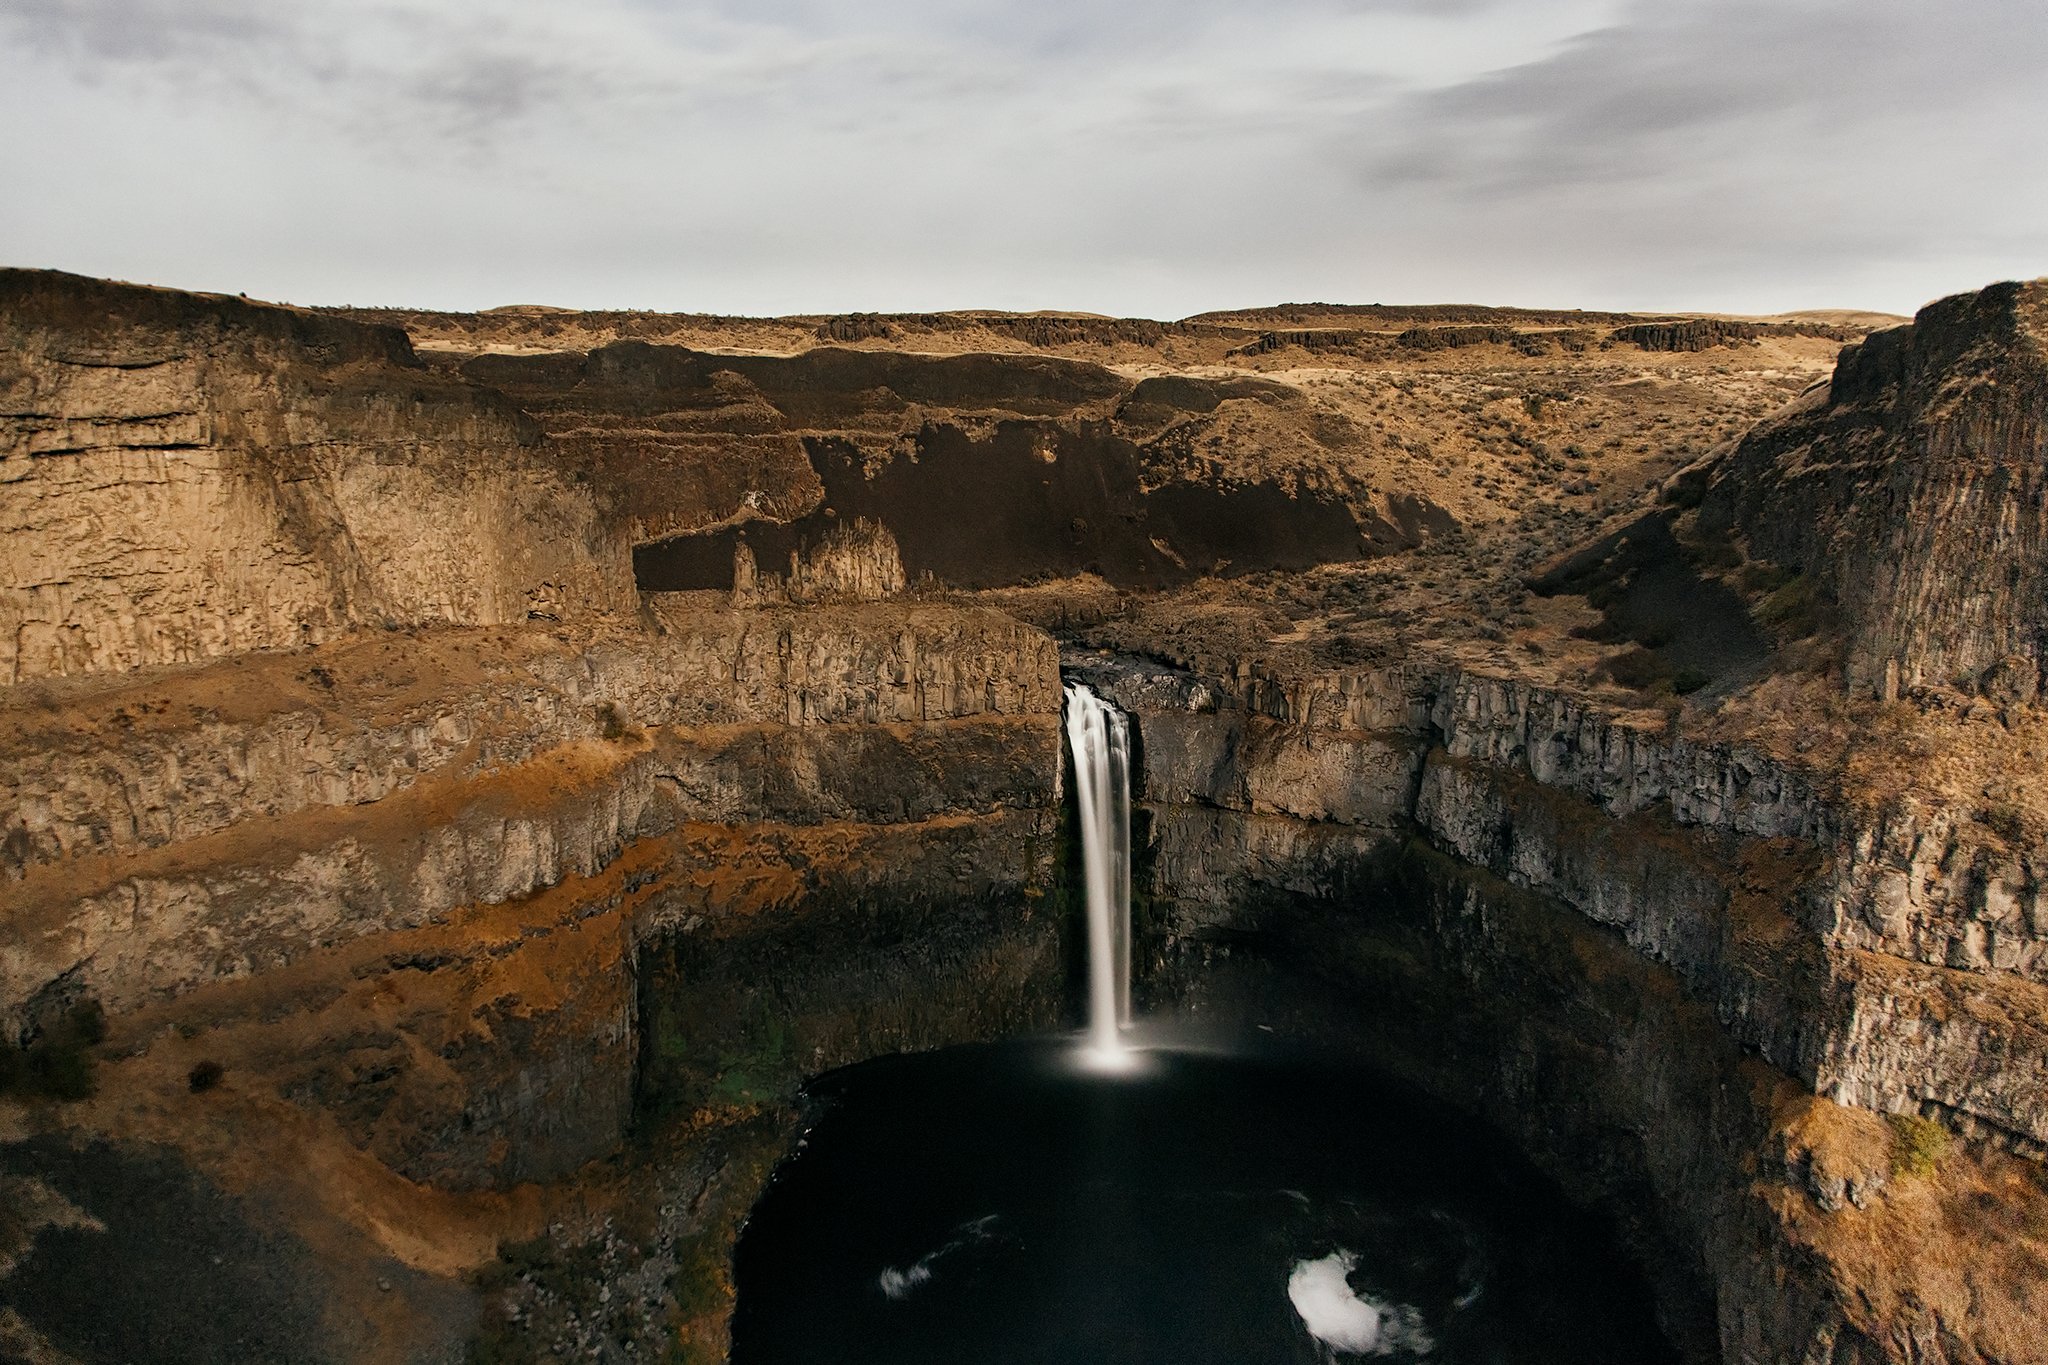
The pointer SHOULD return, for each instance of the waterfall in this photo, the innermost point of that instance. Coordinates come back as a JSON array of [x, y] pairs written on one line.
[[1100, 739]]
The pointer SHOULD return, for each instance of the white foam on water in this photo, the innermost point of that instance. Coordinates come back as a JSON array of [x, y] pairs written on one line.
[[1344, 1320], [896, 1284]]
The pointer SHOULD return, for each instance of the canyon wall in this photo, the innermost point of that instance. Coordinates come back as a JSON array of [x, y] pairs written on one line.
[[986, 470], [1473, 878], [599, 791], [419, 691], [1911, 488], [411, 857], [189, 477], [406, 848]]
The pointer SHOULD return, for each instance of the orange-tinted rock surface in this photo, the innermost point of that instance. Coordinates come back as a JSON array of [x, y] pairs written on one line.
[[477, 765]]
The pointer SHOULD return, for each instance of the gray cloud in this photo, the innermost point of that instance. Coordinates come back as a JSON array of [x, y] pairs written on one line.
[[1622, 102], [1740, 138], [1157, 155]]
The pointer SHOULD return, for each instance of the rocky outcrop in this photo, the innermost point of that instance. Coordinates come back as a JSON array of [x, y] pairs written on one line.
[[676, 441], [857, 563], [986, 470], [607, 738], [1700, 334], [1456, 338], [1751, 880], [190, 477], [594, 790], [1367, 826], [1910, 489], [116, 771]]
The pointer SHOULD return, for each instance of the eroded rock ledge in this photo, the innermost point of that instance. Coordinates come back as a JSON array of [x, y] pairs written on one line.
[[1348, 822], [189, 477]]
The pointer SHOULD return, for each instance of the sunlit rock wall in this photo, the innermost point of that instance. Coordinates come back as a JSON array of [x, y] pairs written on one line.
[[187, 477], [1911, 489]]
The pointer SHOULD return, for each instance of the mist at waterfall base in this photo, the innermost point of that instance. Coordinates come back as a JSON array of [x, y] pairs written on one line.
[[1003, 1204]]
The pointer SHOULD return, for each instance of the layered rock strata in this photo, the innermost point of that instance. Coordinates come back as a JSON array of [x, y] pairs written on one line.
[[1910, 488], [190, 477], [1268, 783], [738, 762], [1355, 821], [986, 470]]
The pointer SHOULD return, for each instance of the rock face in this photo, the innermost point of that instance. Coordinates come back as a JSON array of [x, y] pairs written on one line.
[[858, 563], [190, 477], [345, 763], [1658, 837], [413, 857], [1698, 334], [730, 762], [1912, 489], [986, 470], [1425, 815]]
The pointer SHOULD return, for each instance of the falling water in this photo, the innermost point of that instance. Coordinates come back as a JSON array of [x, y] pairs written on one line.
[[1100, 739]]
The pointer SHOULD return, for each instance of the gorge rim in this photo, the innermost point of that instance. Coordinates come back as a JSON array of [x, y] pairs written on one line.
[[545, 834]]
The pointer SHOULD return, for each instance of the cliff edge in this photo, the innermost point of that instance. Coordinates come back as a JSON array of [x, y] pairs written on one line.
[[1913, 489], [190, 476]]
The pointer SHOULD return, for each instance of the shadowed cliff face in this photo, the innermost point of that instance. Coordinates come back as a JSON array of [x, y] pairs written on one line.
[[1650, 589], [1638, 954], [987, 470], [1040, 500], [1914, 488]]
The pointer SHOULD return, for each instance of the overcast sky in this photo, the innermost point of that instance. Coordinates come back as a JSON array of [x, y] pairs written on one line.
[[1155, 157]]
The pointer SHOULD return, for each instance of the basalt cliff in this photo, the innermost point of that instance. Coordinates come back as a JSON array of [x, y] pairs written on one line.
[[464, 771]]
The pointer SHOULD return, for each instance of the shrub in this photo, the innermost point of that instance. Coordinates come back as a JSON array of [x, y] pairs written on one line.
[[1688, 681], [1653, 637], [1794, 610], [1760, 578], [1918, 1144], [61, 1073], [1641, 669], [701, 1284], [610, 724], [58, 1065], [500, 1341], [1714, 553], [204, 1076], [2004, 820]]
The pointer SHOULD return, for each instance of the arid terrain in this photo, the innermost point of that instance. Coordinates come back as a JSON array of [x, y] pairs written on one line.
[[463, 771]]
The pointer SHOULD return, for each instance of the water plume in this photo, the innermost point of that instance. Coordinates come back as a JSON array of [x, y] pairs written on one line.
[[1100, 739]]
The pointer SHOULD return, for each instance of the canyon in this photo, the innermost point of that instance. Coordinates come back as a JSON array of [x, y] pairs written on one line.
[[464, 772]]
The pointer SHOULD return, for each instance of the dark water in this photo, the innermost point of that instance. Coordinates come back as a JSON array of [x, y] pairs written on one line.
[[988, 1205]]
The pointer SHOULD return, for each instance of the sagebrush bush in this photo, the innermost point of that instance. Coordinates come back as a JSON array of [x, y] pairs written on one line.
[[1918, 1144]]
